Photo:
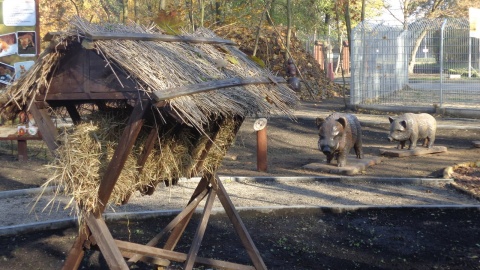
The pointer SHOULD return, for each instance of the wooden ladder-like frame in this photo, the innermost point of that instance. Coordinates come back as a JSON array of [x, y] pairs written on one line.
[[95, 230]]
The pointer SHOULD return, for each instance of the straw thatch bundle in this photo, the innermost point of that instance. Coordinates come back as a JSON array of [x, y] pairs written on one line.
[[160, 65]]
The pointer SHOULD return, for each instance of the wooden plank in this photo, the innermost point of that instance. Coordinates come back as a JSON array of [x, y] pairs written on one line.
[[147, 259], [176, 256], [22, 150], [418, 151], [237, 222], [187, 211], [197, 239], [155, 37], [105, 242], [125, 145], [45, 125], [72, 111], [211, 85], [75, 255], [180, 227], [354, 166]]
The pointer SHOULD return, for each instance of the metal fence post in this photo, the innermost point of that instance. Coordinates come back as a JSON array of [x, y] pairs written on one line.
[[442, 30]]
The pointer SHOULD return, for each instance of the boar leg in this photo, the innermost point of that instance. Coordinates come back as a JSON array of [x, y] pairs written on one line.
[[401, 145], [330, 157], [342, 159], [431, 139], [413, 142], [358, 150]]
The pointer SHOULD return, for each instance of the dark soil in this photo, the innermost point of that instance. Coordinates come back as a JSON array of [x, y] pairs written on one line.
[[310, 239]]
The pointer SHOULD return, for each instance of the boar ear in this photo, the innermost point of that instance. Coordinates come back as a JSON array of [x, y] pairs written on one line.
[[403, 123], [319, 121], [390, 119], [342, 121]]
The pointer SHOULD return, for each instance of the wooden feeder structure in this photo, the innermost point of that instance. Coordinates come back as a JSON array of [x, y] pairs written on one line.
[[196, 84]]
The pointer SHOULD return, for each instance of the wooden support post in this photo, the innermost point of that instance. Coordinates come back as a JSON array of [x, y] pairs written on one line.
[[22, 150], [125, 145], [180, 228], [105, 241], [197, 240], [179, 218], [72, 111], [238, 225], [45, 125], [76, 252]]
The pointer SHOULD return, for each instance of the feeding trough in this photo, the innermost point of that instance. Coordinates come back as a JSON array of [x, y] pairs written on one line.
[[147, 108]]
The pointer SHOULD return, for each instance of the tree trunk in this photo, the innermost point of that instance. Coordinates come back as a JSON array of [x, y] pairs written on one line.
[[202, 11], [413, 55], [289, 28], [270, 12], [218, 12], [264, 13], [348, 23]]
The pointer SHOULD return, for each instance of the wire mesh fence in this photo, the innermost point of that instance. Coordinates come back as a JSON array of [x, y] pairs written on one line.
[[431, 63]]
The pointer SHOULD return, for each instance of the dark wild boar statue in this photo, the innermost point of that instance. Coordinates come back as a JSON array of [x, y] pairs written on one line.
[[338, 133], [413, 127]]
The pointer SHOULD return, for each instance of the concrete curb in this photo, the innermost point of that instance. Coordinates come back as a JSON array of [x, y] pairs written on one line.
[[71, 222], [245, 179]]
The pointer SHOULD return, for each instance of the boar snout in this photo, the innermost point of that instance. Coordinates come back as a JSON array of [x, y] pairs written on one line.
[[390, 139], [326, 149]]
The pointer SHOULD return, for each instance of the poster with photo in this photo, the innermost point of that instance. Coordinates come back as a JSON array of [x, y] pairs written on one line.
[[21, 68], [19, 12], [6, 73], [26, 43], [8, 44]]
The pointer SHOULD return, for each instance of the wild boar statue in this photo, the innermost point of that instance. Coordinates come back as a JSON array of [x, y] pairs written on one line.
[[413, 127], [338, 133]]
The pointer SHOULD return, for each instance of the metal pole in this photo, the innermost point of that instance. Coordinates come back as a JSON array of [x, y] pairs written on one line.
[[441, 62], [469, 57]]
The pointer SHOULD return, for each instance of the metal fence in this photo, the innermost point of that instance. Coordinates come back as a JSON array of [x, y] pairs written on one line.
[[433, 63]]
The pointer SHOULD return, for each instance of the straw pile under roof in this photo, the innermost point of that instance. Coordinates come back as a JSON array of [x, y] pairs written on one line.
[[208, 120]]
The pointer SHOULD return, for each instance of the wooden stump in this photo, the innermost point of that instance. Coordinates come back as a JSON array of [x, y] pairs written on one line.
[[418, 151], [476, 144], [354, 166]]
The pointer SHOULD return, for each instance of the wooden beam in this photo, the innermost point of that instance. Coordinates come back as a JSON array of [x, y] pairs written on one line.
[[75, 255], [170, 93], [105, 242], [180, 227], [237, 222], [197, 239], [125, 145], [72, 111], [176, 256], [155, 37], [45, 125], [180, 217]]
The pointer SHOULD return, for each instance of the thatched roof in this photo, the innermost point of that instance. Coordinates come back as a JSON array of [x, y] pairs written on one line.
[[160, 66]]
